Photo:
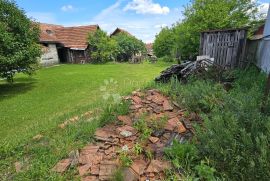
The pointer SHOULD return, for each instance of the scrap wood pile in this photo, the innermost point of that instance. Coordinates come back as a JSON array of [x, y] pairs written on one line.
[[182, 71], [126, 141]]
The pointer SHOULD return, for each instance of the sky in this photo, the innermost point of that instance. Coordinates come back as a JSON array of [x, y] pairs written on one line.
[[142, 18]]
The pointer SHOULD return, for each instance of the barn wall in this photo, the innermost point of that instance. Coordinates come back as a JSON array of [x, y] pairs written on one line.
[[263, 55], [227, 47], [49, 55]]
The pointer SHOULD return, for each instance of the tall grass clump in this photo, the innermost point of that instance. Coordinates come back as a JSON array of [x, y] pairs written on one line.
[[235, 136]]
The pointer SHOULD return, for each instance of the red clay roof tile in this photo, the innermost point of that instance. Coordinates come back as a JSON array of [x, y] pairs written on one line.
[[70, 37]]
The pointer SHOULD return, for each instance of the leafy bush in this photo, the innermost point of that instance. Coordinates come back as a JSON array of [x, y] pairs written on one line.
[[235, 136], [164, 43], [182, 155], [19, 36], [102, 47], [128, 46], [185, 159], [200, 95]]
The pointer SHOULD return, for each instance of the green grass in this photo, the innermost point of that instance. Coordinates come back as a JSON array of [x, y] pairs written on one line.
[[36, 105], [33, 104]]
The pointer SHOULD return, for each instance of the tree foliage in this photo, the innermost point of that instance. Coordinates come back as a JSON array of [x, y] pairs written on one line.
[[19, 50], [128, 46], [164, 42], [203, 15], [102, 47]]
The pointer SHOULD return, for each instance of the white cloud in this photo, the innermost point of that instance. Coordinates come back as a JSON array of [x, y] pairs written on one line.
[[161, 25], [146, 7], [142, 26], [109, 10], [67, 8]]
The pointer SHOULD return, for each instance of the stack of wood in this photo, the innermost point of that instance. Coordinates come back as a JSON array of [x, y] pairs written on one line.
[[182, 71]]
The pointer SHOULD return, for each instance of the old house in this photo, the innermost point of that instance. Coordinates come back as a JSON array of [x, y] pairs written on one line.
[[65, 44], [119, 30], [149, 48]]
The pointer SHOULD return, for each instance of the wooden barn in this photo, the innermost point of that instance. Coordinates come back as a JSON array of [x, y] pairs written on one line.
[[227, 47], [65, 44]]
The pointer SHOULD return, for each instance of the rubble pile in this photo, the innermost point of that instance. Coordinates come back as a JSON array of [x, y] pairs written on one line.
[[126, 139], [182, 71]]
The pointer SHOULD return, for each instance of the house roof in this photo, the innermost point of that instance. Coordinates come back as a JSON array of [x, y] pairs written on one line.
[[119, 30], [149, 46], [70, 37]]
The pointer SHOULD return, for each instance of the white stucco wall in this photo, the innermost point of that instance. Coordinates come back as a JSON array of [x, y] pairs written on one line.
[[49, 55]]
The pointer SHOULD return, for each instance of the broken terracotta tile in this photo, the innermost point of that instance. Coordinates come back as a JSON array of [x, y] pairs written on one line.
[[110, 150], [158, 109], [90, 178], [104, 133], [94, 169], [107, 169], [138, 166], [135, 107], [97, 158], [137, 99], [129, 175], [171, 115], [84, 169], [167, 106], [62, 166], [171, 124], [89, 149], [157, 166], [158, 99], [125, 119], [127, 129], [89, 154], [153, 139], [181, 128], [144, 178]]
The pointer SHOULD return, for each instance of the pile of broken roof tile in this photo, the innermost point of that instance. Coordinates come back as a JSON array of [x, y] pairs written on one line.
[[100, 160]]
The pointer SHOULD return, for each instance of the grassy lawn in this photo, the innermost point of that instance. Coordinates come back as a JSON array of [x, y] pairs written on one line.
[[32, 105], [36, 105]]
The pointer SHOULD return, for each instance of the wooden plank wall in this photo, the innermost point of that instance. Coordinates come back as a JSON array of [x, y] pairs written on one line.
[[226, 47]]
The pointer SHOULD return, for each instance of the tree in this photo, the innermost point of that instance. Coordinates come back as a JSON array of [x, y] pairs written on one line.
[[164, 43], [128, 46], [102, 47], [19, 36], [203, 15]]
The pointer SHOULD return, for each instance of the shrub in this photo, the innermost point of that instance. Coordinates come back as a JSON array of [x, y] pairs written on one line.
[[200, 95], [102, 48], [128, 46], [235, 136], [19, 36]]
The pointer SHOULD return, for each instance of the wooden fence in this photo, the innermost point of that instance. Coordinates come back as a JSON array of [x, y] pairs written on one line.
[[227, 47]]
